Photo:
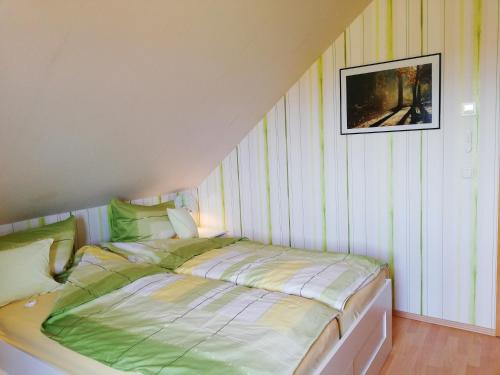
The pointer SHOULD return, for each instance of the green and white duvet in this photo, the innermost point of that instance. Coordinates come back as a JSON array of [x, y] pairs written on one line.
[[142, 318], [331, 278]]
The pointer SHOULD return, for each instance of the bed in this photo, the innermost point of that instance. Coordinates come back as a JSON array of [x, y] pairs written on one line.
[[20, 327], [356, 340]]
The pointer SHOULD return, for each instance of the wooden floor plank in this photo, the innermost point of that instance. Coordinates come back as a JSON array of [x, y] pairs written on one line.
[[423, 348]]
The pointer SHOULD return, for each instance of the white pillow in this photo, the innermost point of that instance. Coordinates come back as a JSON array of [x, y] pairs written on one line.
[[183, 223], [25, 271]]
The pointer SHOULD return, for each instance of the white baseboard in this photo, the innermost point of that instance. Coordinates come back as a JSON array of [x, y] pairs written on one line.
[[446, 323]]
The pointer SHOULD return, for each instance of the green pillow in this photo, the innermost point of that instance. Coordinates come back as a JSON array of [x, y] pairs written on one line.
[[131, 222], [24, 271], [61, 251]]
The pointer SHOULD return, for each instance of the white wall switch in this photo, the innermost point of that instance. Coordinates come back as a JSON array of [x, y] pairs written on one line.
[[469, 109], [467, 172]]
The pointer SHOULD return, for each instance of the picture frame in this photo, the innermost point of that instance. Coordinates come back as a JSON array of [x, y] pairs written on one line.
[[397, 95]]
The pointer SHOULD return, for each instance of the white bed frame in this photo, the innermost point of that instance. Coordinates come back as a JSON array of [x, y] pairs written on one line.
[[16, 362], [362, 350], [366, 345]]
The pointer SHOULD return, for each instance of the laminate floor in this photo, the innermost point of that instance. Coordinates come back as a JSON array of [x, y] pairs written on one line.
[[423, 348]]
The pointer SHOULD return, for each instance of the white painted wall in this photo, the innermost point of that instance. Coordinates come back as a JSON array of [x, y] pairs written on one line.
[[401, 197]]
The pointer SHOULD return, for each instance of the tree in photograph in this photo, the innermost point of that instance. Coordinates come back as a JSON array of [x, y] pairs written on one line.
[[413, 77]]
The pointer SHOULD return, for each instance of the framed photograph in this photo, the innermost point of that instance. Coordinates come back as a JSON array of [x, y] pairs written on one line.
[[391, 96]]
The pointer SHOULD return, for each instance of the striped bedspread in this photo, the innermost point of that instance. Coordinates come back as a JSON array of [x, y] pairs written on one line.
[[141, 318], [324, 276], [331, 278]]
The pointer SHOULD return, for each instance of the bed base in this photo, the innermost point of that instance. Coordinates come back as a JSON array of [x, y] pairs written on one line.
[[16, 362], [362, 350], [365, 346]]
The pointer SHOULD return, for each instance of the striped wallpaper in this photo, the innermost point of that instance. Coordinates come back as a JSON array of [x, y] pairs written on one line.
[[92, 223], [418, 200]]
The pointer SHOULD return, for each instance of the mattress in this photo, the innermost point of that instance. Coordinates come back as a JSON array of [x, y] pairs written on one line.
[[357, 303], [20, 327]]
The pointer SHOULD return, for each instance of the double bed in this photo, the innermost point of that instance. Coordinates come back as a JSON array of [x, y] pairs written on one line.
[[335, 333]]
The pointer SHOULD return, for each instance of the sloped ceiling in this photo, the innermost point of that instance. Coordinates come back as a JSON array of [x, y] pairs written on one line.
[[132, 98]]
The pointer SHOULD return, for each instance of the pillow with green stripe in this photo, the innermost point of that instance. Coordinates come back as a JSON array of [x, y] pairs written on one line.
[[61, 250], [132, 222]]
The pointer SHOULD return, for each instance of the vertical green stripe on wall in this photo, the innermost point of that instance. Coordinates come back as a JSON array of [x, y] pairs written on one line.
[[322, 150], [390, 56], [391, 209], [421, 221], [239, 186], [421, 28], [348, 196], [222, 196], [198, 205], [345, 48], [389, 36], [460, 80], [101, 229], [41, 221], [268, 182], [476, 60], [311, 135], [287, 174], [421, 224], [377, 30], [347, 164]]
